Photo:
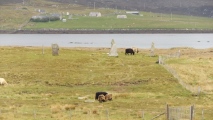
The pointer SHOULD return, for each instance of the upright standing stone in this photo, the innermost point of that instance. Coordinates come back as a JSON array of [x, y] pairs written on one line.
[[178, 54], [113, 50], [55, 49], [152, 49]]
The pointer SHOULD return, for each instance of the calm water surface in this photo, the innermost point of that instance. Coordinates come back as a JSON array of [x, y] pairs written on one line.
[[198, 41]]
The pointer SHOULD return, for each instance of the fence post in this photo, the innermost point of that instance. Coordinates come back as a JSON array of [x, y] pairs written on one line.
[[89, 114], [191, 112], [160, 60], [199, 89], [34, 114], [70, 115], [167, 112], [142, 115], [107, 114], [202, 114]]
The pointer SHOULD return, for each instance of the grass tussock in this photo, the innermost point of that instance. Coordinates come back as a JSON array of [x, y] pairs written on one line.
[[56, 108]]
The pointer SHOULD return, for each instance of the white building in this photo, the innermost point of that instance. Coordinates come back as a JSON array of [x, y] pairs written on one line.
[[95, 14], [121, 16], [64, 20], [133, 12]]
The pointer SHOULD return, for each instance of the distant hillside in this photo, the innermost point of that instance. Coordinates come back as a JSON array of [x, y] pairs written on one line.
[[10, 1], [182, 7]]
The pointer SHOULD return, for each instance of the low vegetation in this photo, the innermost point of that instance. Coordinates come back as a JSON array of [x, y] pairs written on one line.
[[194, 67], [42, 86]]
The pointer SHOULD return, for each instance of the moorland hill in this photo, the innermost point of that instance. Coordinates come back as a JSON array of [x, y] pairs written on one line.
[[182, 7]]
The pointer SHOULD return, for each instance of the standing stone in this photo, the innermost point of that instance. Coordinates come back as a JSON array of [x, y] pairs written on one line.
[[113, 50], [55, 49], [152, 50], [178, 54]]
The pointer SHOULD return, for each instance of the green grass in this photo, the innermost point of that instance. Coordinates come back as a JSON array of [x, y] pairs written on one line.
[[195, 69], [42, 85], [132, 22], [17, 16]]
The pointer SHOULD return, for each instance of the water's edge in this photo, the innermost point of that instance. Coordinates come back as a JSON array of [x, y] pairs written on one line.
[[123, 31], [104, 40]]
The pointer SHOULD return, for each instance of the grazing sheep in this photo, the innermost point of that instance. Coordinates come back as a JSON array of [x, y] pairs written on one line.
[[129, 51], [101, 98], [135, 49], [99, 93], [108, 97], [3, 81]]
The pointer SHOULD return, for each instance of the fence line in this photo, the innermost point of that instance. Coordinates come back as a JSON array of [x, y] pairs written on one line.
[[180, 112], [175, 113], [162, 62], [88, 114]]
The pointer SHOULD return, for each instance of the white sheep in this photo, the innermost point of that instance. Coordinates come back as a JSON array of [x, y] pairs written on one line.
[[3, 81]]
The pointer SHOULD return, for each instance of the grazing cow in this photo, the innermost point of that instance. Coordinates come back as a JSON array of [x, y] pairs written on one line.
[[129, 51], [3, 81], [135, 49], [100, 93]]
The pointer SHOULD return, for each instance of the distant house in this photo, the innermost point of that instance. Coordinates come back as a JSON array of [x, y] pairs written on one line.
[[95, 14], [121, 16], [133, 12], [64, 20], [41, 11]]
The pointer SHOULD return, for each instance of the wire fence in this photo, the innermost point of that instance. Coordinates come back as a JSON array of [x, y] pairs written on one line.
[[169, 113], [180, 112], [162, 61], [81, 114]]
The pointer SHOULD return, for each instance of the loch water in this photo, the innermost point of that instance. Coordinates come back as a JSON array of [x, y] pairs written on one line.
[[165, 41]]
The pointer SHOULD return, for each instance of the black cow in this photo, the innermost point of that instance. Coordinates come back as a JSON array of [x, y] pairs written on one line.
[[99, 93], [129, 51]]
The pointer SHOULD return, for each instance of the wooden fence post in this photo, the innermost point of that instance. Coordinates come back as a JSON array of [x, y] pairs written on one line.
[[191, 112], [142, 115], [34, 114], [107, 113], [167, 112], [70, 114], [202, 114]]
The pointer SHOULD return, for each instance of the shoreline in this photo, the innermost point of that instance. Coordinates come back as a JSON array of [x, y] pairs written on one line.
[[160, 31]]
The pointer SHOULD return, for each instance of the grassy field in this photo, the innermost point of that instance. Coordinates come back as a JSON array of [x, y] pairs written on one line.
[[45, 87], [195, 68], [132, 22], [17, 16]]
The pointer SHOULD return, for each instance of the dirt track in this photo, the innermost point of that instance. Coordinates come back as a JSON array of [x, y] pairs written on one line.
[[100, 31]]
